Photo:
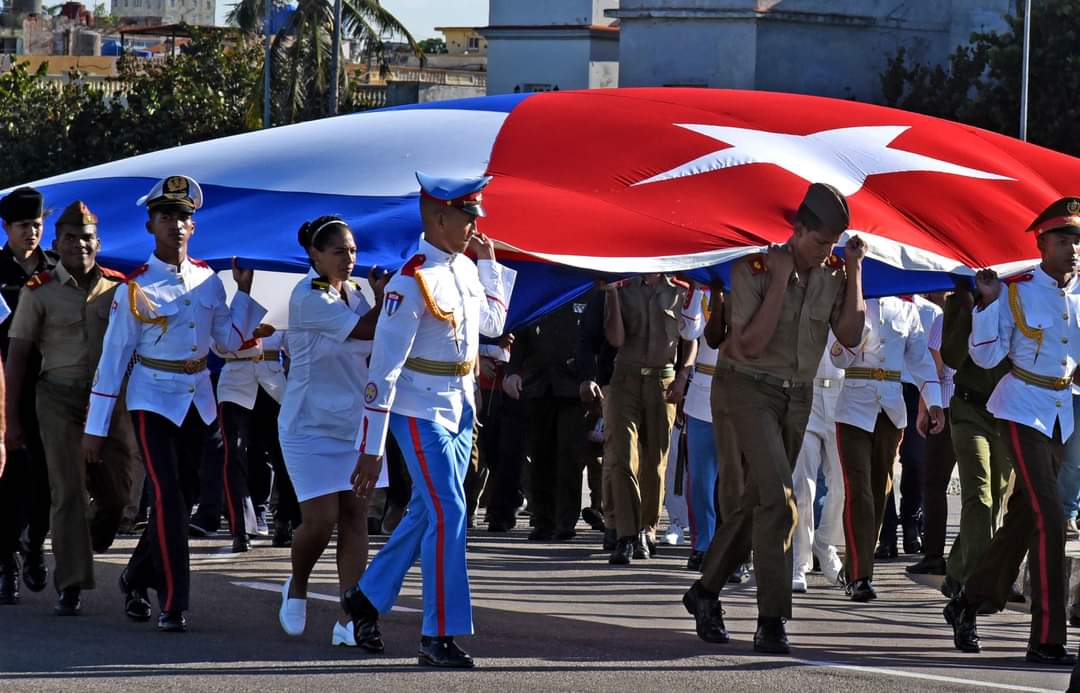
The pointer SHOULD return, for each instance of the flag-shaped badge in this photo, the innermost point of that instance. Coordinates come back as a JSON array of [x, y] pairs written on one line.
[[392, 301]]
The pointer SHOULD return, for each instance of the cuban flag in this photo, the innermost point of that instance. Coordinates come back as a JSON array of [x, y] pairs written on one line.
[[603, 182]]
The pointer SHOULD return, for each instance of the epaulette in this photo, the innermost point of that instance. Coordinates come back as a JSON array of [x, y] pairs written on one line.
[[111, 274], [757, 263], [38, 280], [320, 284], [410, 267], [136, 272], [1018, 278], [352, 282], [834, 261], [906, 297], [198, 263]]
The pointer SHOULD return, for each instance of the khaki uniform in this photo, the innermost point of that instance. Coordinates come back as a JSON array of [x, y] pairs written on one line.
[[765, 404], [638, 420], [66, 323]]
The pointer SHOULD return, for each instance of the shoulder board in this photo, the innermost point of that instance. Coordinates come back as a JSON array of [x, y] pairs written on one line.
[[834, 261], [410, 267], [137, 271], [906, 297], [1018, 278], [680, 282], [198, 263], [320, 285], [111, 274], [38, 280], [757, 263], [353, 284]]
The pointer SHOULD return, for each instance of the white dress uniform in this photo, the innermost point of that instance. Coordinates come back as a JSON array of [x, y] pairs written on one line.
[[422, 364], [5, 311], [247, 370], [324, 393]]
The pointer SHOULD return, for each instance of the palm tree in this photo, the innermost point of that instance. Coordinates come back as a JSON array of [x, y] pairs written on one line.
[[301, 50]]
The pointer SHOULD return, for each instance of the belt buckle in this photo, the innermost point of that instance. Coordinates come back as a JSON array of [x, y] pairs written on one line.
[[878, 374], [191, 367], [787, 384]]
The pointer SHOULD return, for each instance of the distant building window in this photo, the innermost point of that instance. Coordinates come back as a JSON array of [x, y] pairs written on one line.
[[474, 43]]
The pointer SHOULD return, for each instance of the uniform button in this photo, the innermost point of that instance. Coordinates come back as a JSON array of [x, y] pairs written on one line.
[[1064, 362], [1064, 316], [1064, 340], [1057, 404], [191, 388], [194, 348], [187, 301], [191, 325]]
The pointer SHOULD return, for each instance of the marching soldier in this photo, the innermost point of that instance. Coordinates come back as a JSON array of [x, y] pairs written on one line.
[[166, 317], [420, 388], [1037, 326], [871, 416], [62, 315], [24, 488], [782, 306]]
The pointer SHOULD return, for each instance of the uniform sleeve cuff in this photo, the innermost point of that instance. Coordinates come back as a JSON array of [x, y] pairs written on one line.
[[374, 426], [246, 313], [100, 414]]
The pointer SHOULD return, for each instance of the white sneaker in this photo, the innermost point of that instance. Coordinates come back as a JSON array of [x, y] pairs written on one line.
[[1071, 529], [674, 535], [831, 565], [343, 635], [293, 612], [798, 582]]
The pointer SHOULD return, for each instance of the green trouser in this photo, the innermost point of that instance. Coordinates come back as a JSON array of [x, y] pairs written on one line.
[[866, 460], [769, 423], [982, 462], [639, 430]]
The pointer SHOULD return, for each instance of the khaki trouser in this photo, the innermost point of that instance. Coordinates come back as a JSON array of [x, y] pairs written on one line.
[[768, 423], [731, 465], [983, 465], [866, 461], [87, 501], [639, 430]]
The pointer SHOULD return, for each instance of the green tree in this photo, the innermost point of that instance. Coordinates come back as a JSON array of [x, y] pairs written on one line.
[[301, 50], [980, 85], [433, 46]]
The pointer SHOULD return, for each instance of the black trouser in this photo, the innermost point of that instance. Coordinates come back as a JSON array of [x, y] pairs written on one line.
[[210, 493], [502, 452], [940, 461], [171, 455], [556, 440], [235, 423], [266, 465], [24, 487], [912, 464]]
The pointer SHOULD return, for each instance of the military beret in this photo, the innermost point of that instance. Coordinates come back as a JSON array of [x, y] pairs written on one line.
[[175, 191], [462, 193], [1063, 215], [22, 204], [829, 206], [77, 214]]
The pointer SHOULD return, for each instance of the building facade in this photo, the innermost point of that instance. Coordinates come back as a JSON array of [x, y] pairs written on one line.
[[194, 12]]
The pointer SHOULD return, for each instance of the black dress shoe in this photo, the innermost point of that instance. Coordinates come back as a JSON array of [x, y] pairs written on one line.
[[136, 602], [34, 573], [708, 614], [771, 637], [641, 547], [885, 551], [282, 535], [961, 616], [650, 545], [1074, 617], [200, 528], [500, 527], [1050, 654], [541, 535], [565, 534], [610, 538], [443, 652], [862, 590], [623, 552], [365, 620], [912, 540], [9, 581], [929, 565], [241, 543], [1015, 595], [741, 574], [695, 560], [68, 603], [594, 518], [171, 622]]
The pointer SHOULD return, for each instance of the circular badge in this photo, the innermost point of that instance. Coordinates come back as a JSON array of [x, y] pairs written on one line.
[[370, 393]]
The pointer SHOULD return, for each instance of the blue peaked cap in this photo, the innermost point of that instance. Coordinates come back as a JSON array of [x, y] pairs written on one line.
[[463, 193]]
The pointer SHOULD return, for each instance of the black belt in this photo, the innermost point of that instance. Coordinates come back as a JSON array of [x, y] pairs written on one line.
[[969, 395], [763, 377]]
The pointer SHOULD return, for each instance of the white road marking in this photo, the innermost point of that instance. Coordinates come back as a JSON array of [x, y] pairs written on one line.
[[925, 677], [272, 587]]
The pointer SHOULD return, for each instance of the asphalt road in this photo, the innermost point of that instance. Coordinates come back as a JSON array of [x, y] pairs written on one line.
[[548, 617]]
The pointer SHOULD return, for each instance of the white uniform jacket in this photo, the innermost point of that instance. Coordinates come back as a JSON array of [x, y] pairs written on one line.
[[695, 314], [324, 392], [247, 370], [1046, 344], [434, 309], [173, 315], [893, 337]]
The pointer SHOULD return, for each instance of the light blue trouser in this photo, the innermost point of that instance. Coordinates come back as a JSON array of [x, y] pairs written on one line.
[[1069, 476], [702, 469], [433, 527]]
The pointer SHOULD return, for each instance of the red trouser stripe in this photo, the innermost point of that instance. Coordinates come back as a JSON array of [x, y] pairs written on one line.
[[440, 530], [236, 529], [1040, 528], [688, 494], [849, 525], [159, 511]]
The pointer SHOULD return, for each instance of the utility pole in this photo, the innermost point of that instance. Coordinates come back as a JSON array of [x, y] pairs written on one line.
[[335, 59], [1026, 72], [266, 63]]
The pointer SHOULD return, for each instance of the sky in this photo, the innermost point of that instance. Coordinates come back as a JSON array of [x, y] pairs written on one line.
[[420, 16]]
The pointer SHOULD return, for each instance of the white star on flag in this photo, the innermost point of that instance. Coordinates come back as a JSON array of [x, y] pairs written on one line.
[[843, 158]]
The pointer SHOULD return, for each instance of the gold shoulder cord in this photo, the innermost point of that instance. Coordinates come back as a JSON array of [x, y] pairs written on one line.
[[705, 312], [1035, 334], [135, 294], [439, 313]]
